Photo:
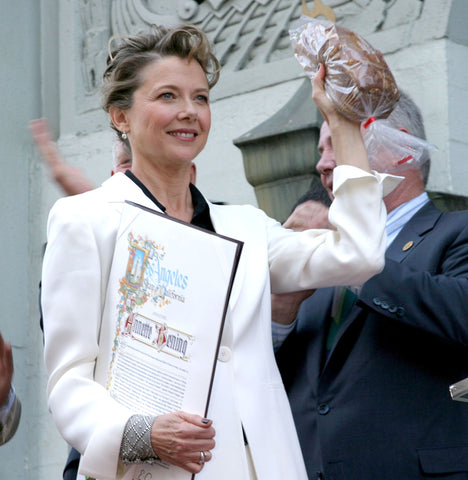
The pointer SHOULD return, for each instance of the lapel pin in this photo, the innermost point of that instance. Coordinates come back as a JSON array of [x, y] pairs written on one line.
[[407, 245]]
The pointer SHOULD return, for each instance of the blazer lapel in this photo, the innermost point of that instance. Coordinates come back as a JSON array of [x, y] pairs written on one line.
[[227, 225], [349, 327], [323, 297], [119, 188], [408, 239], [413, 232]]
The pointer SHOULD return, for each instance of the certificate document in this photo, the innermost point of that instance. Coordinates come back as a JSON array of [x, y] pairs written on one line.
[[167, 298]]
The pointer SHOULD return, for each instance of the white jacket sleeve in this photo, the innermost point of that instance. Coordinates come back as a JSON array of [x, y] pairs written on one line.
[[348, 256], [72, 285]]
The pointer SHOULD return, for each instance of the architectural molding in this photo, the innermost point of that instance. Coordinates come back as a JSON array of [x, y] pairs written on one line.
[[95, 31], [248, 35]]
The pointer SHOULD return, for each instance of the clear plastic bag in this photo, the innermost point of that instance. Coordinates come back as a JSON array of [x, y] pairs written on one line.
[[392, 150], [361, 86], [358, 80]]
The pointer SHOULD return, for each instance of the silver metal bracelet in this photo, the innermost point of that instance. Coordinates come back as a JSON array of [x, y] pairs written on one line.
[[136, 441]]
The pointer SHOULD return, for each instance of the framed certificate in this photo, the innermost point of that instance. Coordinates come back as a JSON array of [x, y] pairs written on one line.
[[167, 297]]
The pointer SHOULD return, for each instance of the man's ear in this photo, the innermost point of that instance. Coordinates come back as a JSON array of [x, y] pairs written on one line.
[[119, 119]]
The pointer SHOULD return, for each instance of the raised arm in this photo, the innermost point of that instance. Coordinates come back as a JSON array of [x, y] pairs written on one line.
[[348, 144], [70, 179]]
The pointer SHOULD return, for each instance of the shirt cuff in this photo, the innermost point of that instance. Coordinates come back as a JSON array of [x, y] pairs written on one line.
[[280, 332], [344, 173]]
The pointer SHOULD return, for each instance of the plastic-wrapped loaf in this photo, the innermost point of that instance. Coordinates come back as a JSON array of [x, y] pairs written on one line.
[[358, 80]]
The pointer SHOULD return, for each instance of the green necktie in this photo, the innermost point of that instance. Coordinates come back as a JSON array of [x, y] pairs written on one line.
[[341, 309]]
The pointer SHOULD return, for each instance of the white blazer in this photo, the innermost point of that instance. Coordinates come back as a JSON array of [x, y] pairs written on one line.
[[247, 389]]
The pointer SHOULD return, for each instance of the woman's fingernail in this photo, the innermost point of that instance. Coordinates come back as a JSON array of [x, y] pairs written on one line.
[[206, 420]]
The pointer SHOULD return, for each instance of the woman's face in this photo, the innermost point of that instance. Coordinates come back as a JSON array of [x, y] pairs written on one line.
[[170, 118]]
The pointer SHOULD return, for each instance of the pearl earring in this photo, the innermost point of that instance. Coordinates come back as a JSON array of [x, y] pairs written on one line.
[[124, 136]]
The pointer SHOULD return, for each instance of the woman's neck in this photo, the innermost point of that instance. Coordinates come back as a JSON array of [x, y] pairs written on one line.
[[170, 188]]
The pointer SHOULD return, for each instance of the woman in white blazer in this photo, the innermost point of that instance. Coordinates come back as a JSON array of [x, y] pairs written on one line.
[[156, 91]]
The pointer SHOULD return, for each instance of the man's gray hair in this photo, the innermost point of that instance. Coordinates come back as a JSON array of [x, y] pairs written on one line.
[[407, 114]]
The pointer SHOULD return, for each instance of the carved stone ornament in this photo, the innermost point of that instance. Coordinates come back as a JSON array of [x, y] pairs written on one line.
[[244, 32], [95, 26], [249, 36], [187, 9]]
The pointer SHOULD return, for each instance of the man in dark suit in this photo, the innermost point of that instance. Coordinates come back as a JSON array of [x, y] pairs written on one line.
[[368, 370]]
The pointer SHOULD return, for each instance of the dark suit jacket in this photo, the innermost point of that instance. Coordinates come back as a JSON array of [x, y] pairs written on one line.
[[378, 407]]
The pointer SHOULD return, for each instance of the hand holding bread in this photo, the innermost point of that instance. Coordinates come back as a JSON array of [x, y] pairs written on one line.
[[358, 81]]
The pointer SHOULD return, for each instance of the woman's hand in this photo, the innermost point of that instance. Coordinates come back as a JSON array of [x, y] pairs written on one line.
[[180, 438], [324, 104], [348, 145], [319, 96]]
